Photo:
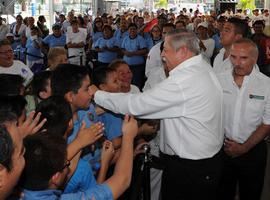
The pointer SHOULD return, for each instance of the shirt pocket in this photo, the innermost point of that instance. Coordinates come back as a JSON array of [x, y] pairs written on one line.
[[255, 107]]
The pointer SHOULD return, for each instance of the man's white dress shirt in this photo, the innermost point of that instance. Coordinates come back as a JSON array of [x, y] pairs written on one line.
[[247, 107], [189, 104], [154, 70], [220, 64]]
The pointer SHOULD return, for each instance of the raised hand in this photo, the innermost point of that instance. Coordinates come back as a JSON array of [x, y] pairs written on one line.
[[107, 152], [87, 136], [130, 126], [31, 125]]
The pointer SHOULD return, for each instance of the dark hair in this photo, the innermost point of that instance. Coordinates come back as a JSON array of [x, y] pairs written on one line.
[[40, 82], [132, 25], [41, 17], [259, 22], [95, 28], [34, 28], [11, 84], [58, 113], [74, 21], [66, 78], [168, 25], [180, 22], [240, 26], [15, 104], [116, 63], [7, 116], [107, 26], [81, 20], [100, 75], [6, 148], [45, 155]]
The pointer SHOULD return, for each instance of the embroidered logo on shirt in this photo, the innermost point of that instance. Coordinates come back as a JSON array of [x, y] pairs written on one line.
[[24, 71], [90, 116], [252, 96]]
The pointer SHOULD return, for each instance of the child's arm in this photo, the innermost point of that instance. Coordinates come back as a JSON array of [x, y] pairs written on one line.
[[106, 157], [121, 178]]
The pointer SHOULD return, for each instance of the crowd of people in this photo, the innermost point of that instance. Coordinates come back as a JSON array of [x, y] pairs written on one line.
[[78, 102]]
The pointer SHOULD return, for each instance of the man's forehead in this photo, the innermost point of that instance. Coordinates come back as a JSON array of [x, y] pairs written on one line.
[[241, 48]]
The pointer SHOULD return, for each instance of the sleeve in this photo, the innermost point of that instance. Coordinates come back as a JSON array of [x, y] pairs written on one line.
[[209, 48], [46, 40], [99, 192], [123, 45], [266, 114], [142, 42], [156, 103]]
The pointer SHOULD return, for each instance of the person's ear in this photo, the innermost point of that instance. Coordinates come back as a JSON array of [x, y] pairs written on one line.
[[69, 96]]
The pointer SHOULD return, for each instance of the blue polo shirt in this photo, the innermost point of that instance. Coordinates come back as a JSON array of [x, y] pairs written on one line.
[[99, 192], [89, 116], [33, 50], [119, 37], [106, 56], [96, 36], [134, 44], [53, 41], [82, 179], [112, 124]]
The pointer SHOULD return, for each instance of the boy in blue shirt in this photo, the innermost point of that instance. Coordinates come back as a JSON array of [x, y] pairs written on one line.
[[46, 168], [106, 79]]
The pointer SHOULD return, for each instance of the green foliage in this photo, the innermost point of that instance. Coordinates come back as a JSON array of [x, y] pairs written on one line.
[[161, 4], [246, 4]]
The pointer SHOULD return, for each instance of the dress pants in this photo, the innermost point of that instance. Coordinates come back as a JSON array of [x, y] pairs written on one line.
[[185, 179], [246, 171]]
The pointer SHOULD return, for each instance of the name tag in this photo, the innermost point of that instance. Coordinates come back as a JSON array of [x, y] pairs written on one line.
[[252, 96]]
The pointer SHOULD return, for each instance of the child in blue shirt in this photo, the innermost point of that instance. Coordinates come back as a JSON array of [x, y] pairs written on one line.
[[106, 47], [33, 45]]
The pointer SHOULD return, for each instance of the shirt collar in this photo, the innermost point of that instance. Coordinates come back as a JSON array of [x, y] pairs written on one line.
[[191, 61]]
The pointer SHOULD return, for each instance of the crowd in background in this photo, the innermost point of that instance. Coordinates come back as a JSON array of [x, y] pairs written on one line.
[[75, 149]]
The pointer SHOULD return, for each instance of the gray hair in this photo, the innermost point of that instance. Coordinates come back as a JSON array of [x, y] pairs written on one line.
[[180, 38]]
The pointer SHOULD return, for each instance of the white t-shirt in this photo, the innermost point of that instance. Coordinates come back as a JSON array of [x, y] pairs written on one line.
[[76, 38], [18, 68]]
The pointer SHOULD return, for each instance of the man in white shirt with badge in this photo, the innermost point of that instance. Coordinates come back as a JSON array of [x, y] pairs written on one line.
[[189, 104], [246, 121]]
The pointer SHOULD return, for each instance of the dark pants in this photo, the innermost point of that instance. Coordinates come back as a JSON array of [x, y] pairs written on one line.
[[138, 72], [185, 179], [247, 171]]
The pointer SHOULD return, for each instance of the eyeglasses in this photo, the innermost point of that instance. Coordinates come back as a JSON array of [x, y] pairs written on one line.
[[66, 165]]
